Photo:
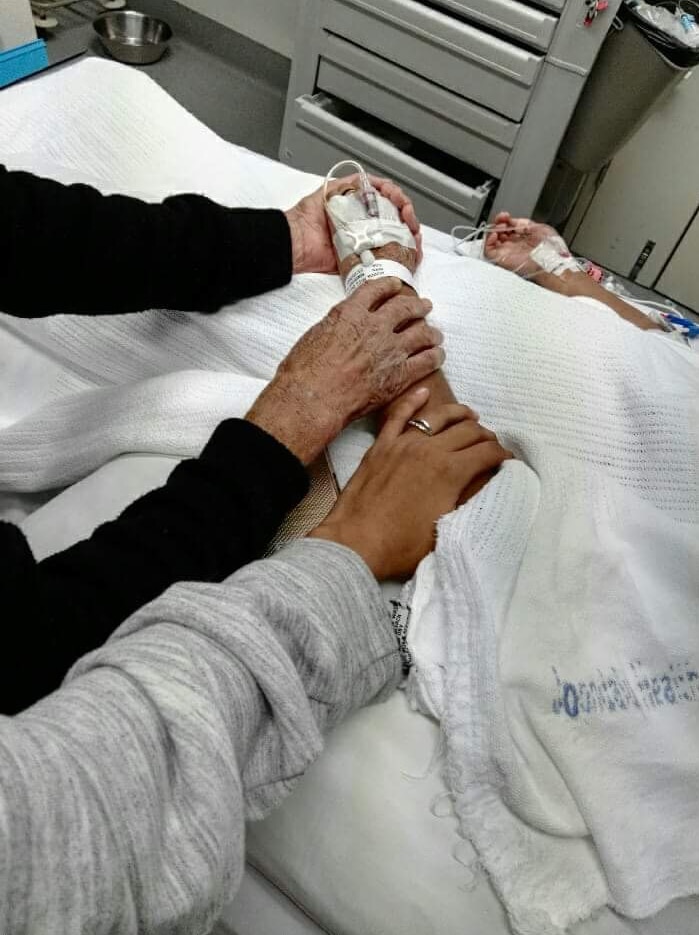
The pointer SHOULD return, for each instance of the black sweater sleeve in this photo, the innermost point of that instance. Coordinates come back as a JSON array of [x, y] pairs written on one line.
[[214, 514], [103, 254]]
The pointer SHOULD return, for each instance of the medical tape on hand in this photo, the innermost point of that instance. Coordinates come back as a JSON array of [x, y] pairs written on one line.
[[548, 256], [360, 274], [370, 235], [354, 232]]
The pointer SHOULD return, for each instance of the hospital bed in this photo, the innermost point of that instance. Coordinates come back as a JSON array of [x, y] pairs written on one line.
[[366, 844]]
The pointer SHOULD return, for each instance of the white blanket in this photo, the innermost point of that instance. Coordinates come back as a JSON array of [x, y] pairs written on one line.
[[556, 632], [588, 402]]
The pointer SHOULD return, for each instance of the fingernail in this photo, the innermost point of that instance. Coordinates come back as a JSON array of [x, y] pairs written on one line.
[[426, 304], [441, 355], [438, 336]]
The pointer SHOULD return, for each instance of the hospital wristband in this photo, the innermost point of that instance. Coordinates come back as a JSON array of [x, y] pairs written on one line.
[[360, 274]]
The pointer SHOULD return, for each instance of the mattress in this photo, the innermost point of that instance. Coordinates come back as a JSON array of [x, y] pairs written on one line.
[[366, 845]]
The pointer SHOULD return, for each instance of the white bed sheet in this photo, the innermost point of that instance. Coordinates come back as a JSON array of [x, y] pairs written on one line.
[[356, 845]]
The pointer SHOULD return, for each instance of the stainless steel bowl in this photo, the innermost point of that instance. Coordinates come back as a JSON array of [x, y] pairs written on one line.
[[133, 37]]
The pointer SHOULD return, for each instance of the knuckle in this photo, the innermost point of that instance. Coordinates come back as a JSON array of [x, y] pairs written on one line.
[[396, 304], [424, 334], [466, 413], [435, 357], [493, 451], [343, 306], [405, 305], [412, 306], [480, 434]]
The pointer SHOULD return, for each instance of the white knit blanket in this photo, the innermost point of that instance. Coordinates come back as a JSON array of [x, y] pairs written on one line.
[[568, 564], [556, 630]]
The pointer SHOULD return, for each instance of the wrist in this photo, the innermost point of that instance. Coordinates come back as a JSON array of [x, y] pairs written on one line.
[[286, 412], [358, 541], [298, 250]]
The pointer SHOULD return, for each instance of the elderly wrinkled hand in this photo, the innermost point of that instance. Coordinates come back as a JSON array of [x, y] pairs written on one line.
[[365, 352], [407, 481], [510, 244], [311, 241]]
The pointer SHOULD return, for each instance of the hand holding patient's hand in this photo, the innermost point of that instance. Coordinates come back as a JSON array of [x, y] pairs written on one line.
[[406, 482], [311, 242], [367, 350]]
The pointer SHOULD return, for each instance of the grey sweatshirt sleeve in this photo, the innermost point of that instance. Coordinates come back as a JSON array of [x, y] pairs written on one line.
[[123, 795]]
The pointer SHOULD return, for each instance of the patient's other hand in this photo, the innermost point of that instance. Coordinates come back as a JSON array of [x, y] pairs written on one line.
[[511, 248], [311, 242], [406, 482], [368, 349]]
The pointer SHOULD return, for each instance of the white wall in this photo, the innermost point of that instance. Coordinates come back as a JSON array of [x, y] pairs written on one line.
[[16, 24], [270, 22], [650, 191]]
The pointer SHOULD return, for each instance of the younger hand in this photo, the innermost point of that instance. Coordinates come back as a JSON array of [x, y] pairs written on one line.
[[406, 482], [511, 248], [311, 242], [368, 349]]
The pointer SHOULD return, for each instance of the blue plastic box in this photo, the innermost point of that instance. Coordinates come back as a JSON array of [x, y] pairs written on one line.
[[22, 61]]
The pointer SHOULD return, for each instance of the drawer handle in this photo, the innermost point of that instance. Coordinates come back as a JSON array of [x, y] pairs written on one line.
[[418, 31], [506, 27], [394, 172]]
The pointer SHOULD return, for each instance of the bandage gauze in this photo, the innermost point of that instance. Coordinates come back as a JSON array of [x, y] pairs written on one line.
[[369, 237]]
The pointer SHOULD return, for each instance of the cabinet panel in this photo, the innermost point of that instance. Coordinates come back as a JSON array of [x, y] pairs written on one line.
[[441, 48], [405, 100], [680, 281]]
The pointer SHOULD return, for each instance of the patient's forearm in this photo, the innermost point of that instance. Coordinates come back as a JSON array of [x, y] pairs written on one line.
[[440, 394], [580, 284], [440, 391]]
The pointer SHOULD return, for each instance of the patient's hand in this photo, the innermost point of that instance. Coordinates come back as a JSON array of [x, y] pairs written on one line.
[[407, 480], [311, 242], [368, 349], [511, 248]]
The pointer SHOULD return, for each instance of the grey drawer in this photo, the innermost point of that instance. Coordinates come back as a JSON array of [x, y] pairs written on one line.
[[403, 99], [523, 23], [321, 135], [441, 48]]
